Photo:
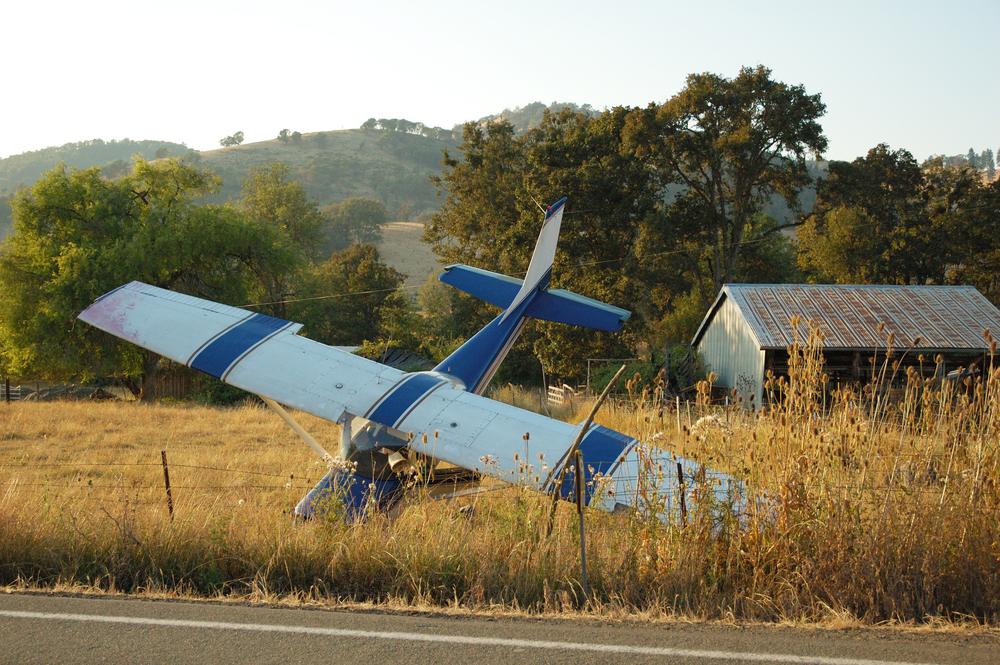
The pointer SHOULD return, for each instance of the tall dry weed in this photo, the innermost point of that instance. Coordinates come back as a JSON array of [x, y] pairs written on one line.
[[879, 502]]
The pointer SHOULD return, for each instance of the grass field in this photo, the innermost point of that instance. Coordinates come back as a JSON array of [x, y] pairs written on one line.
[[870, 511], [403, 248]]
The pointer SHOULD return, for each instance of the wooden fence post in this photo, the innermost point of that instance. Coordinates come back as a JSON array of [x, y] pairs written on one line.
[[6, 389], [166, 484], [681, 491], [580, 494]]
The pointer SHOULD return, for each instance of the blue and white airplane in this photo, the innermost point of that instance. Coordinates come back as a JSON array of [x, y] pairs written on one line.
[[394, 422]]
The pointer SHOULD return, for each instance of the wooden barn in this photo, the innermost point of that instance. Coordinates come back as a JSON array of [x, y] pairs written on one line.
[[748, 329]]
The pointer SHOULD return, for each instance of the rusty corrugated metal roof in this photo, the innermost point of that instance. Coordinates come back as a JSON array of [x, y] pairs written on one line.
[[937, 317]]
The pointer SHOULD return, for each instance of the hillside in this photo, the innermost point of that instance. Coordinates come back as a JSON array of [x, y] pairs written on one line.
[[392, 167]]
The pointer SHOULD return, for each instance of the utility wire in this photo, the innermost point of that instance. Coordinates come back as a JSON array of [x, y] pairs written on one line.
[[407, 287], [334, 295], [290, 476]]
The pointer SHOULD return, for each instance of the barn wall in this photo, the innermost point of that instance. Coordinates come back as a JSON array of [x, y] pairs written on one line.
[[731, 351]]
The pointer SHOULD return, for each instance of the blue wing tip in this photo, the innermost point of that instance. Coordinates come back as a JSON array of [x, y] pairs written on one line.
[[552, 209]]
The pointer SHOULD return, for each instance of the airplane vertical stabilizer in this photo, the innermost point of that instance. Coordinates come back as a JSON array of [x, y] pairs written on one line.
[[540, 267], [476, 361]]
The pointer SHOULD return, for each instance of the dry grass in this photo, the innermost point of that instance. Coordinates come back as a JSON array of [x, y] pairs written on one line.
[[870, 511], [403, 247]]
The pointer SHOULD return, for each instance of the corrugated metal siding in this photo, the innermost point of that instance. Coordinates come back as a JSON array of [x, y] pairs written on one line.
[[730, 349], [941, 317]]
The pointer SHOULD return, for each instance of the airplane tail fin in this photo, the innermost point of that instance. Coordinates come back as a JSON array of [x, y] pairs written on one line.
[[540, 266], [477, 360], [531, 297]]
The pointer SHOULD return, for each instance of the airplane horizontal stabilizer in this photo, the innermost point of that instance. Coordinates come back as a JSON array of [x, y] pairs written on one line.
[[563, 306], [491, 287], [556, 305]]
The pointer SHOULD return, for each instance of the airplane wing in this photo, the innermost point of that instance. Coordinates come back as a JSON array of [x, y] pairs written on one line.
[[263, 355], [258, 353]]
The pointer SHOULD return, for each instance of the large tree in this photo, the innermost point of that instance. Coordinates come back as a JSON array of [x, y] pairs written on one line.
[[492, 216], [978, 260], [273, 199], [989, 163], [730, 145], [78, 235], [884, 219], [270, 195], [353, 220], [348, 298]]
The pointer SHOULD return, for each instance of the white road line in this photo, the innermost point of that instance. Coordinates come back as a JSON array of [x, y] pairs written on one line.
[[456, 639]]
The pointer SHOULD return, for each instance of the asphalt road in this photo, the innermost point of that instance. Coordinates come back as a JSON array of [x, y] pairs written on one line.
[[71, 629]]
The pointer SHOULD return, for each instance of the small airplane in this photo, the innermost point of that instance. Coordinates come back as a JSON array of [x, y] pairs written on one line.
[[397, 425]]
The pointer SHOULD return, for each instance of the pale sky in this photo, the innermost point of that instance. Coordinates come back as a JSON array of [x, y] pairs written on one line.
[[918, 75]]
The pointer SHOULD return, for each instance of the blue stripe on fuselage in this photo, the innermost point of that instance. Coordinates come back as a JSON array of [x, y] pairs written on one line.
[[406, 393], [222, 352], [601, 448], [479, 356]]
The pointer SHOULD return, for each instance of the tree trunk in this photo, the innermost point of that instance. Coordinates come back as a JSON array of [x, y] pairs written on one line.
[[132, 387], [150, 369]]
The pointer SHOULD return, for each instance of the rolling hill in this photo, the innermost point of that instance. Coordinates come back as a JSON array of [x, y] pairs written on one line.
[[392, 167]]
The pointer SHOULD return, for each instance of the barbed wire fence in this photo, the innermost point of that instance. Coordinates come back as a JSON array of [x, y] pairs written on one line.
[[106, 491]]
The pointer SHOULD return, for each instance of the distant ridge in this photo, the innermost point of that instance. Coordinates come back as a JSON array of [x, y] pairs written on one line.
[[24, 169], [530, 115], [390, 160]]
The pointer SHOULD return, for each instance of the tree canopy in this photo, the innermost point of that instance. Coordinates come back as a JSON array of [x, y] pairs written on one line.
[[348, 298], [231, 140], [665, 201], [353, 220], [491, 219], [730, 144], [78, 235], [885, 219]]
